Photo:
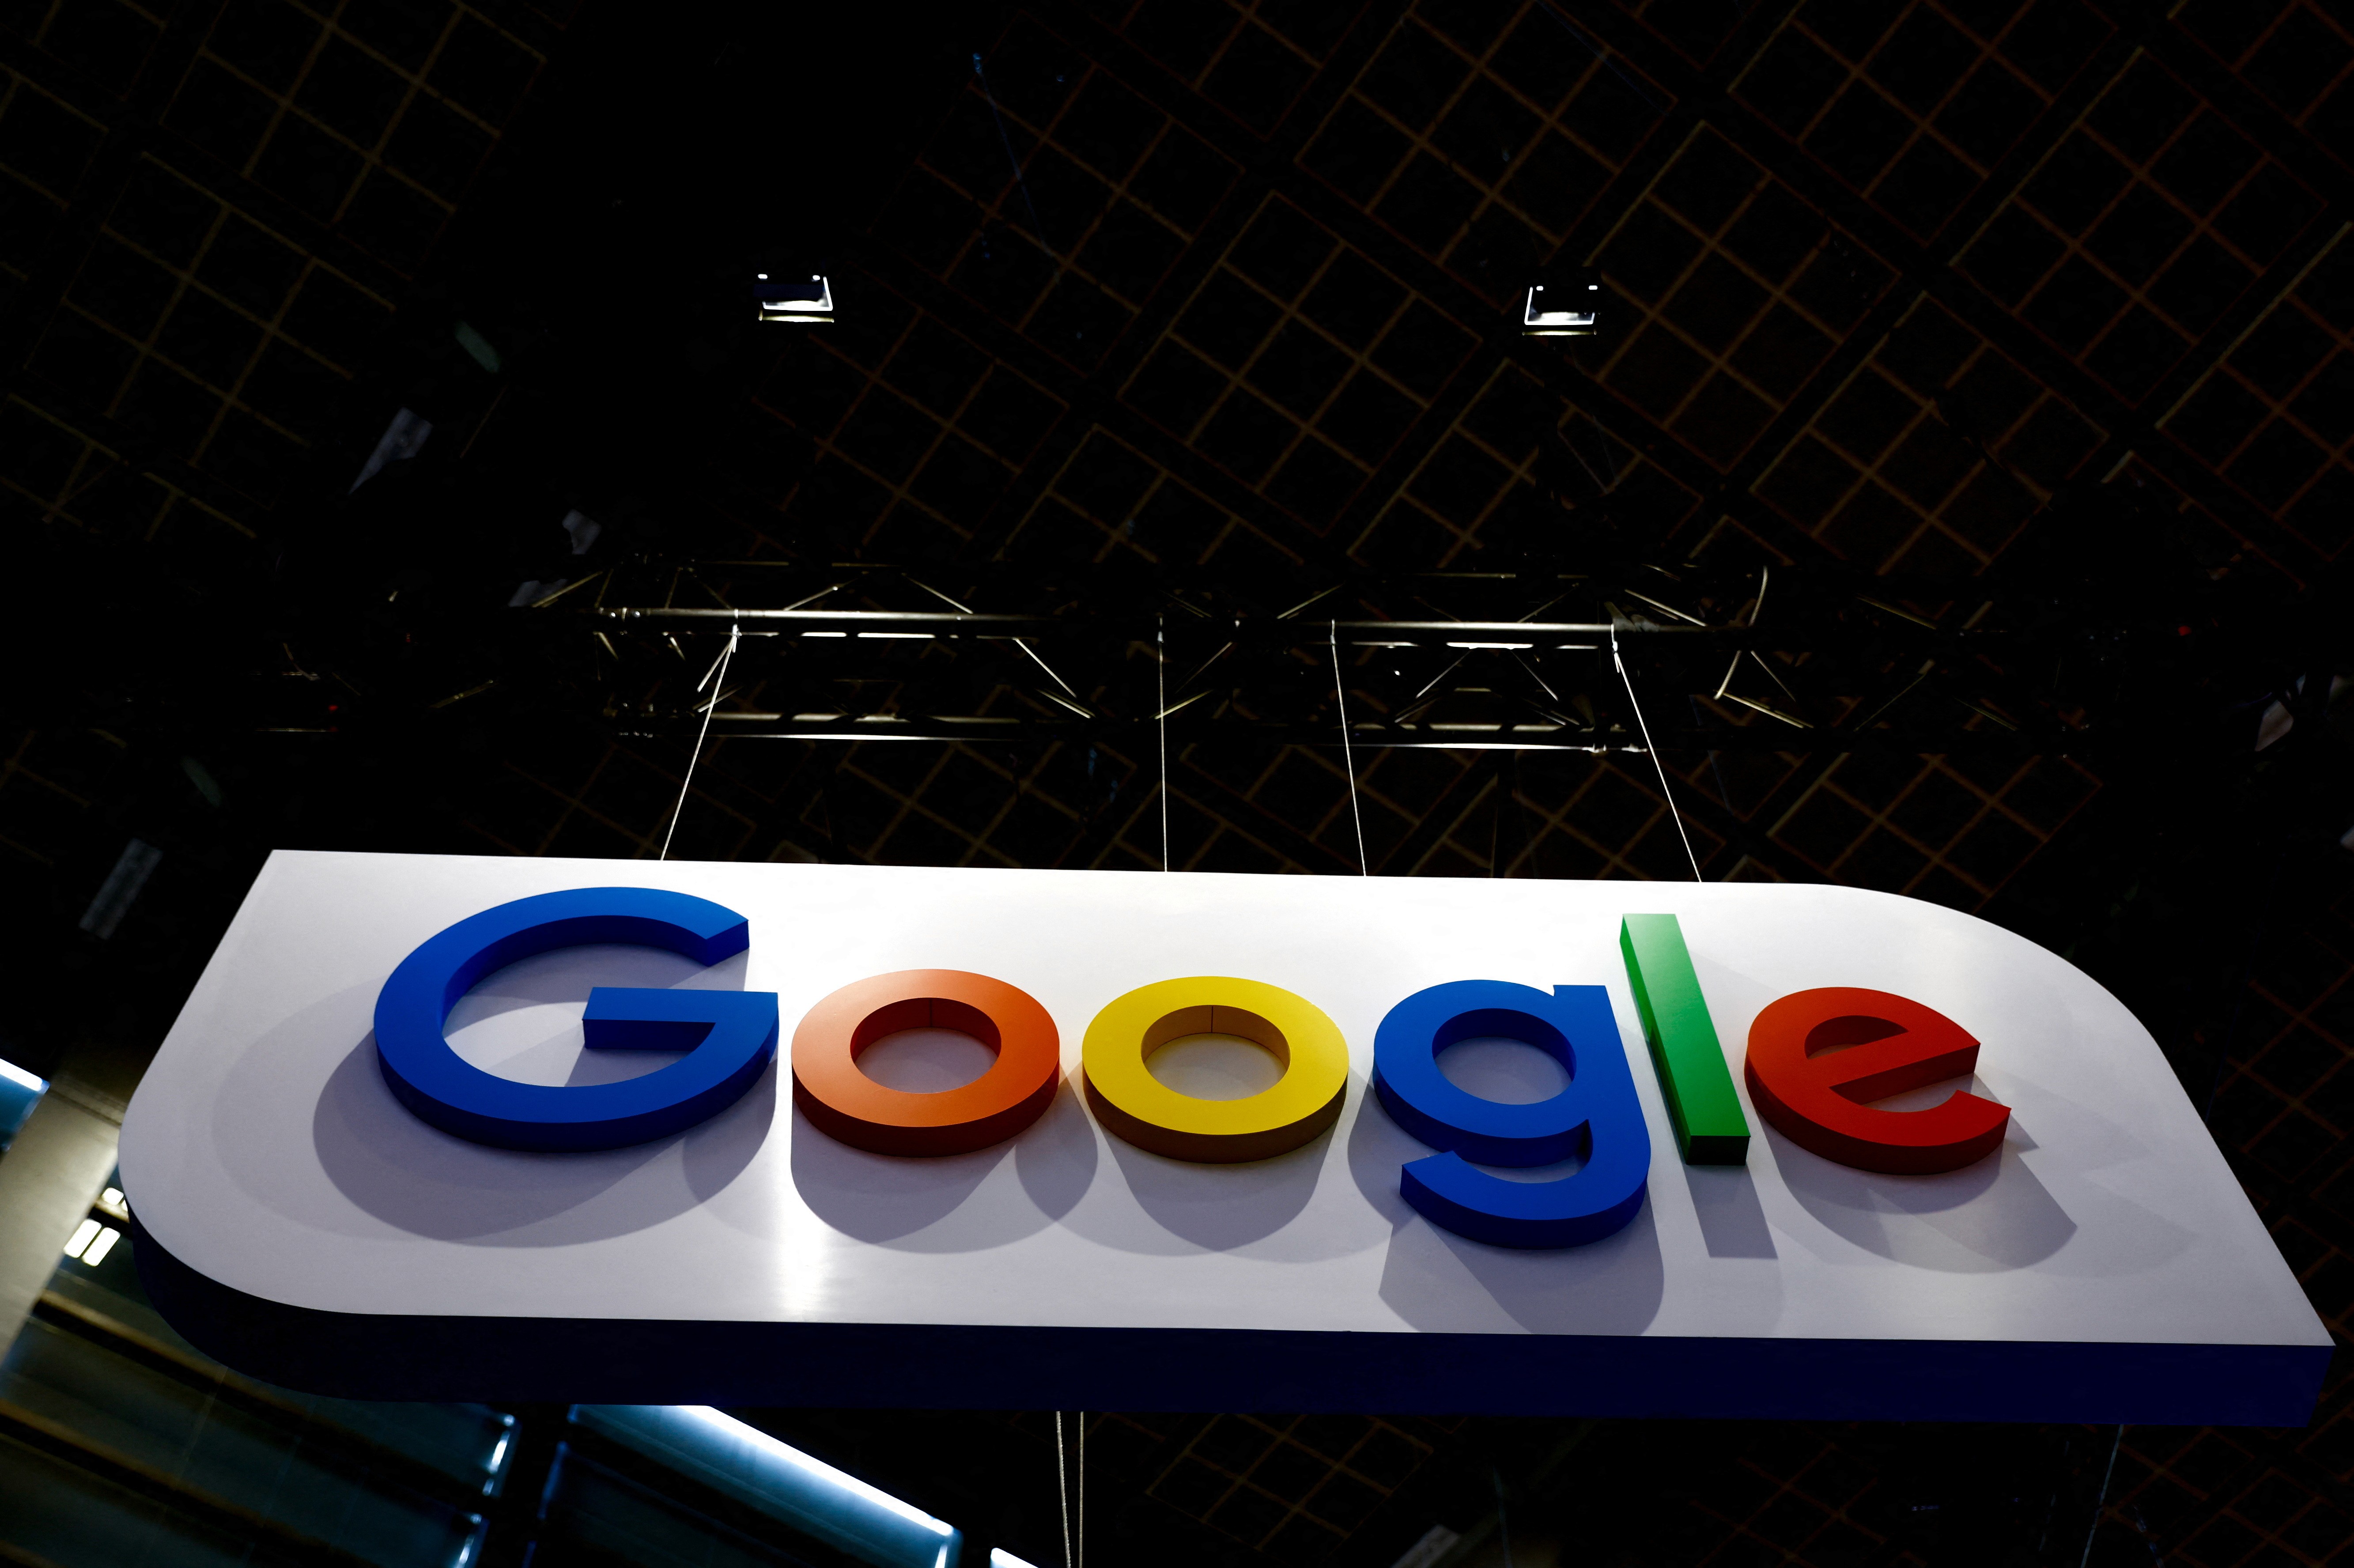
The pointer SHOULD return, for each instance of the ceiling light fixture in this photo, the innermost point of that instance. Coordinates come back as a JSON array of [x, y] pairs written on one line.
[[789, 296], [1562, 311]]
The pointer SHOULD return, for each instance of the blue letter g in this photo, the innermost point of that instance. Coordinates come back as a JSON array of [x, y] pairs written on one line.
[[729, 1036], [1597, 1113]]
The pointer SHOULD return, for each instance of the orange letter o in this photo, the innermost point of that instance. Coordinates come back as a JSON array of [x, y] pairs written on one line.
[[844, 1102]]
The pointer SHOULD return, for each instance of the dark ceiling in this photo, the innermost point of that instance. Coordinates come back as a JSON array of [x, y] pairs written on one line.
[[2030, 324]]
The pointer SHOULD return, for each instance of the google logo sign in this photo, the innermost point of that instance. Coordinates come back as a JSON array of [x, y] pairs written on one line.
[[1815, 1062]]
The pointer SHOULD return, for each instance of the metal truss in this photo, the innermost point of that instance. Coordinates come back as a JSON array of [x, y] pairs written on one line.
[[1766, 659]]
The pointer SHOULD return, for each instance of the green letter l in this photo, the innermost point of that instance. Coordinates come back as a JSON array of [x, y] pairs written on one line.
[[1710, 1127]]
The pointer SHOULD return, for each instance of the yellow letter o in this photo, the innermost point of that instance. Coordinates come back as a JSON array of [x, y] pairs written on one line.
[[1144, 1111]]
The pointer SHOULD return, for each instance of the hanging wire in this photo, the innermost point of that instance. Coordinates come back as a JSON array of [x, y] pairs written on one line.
[[1063, 1488], [1161, 673], [1020, 183], [2101, 1503], [717, 690], [1503, 1522], [1348, 757], [1635, 87], [1642, 725], [1080, 1533]]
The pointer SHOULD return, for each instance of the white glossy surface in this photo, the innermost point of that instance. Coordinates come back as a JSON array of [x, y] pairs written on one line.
[[264, 1150]]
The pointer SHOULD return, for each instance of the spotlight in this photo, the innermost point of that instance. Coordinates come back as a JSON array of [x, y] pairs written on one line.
[[1563, 304], [792, 296]]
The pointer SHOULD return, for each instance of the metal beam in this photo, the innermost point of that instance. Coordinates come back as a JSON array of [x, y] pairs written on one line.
[[49, 1179], [1540, 636], [987, 730], [171, 1491]]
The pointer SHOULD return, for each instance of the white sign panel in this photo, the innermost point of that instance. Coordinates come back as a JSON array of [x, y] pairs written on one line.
[[304, 1222]]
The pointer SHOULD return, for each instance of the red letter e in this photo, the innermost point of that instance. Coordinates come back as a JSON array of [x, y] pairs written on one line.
[[1817, 1058]]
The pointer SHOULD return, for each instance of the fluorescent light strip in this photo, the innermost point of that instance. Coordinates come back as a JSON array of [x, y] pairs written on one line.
[[95, 1253], [1001, 1558], [723, 1422], [23, 1079], [84, 1233]]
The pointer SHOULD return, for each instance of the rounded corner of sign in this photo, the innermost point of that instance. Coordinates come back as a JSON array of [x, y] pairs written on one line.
[[1945, 912], [205, 1301]]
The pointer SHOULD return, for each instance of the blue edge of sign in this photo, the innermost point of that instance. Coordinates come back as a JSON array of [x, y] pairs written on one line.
[[355, 1355]]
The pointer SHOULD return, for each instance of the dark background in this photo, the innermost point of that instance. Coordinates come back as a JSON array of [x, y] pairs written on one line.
[[2042, 310]]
